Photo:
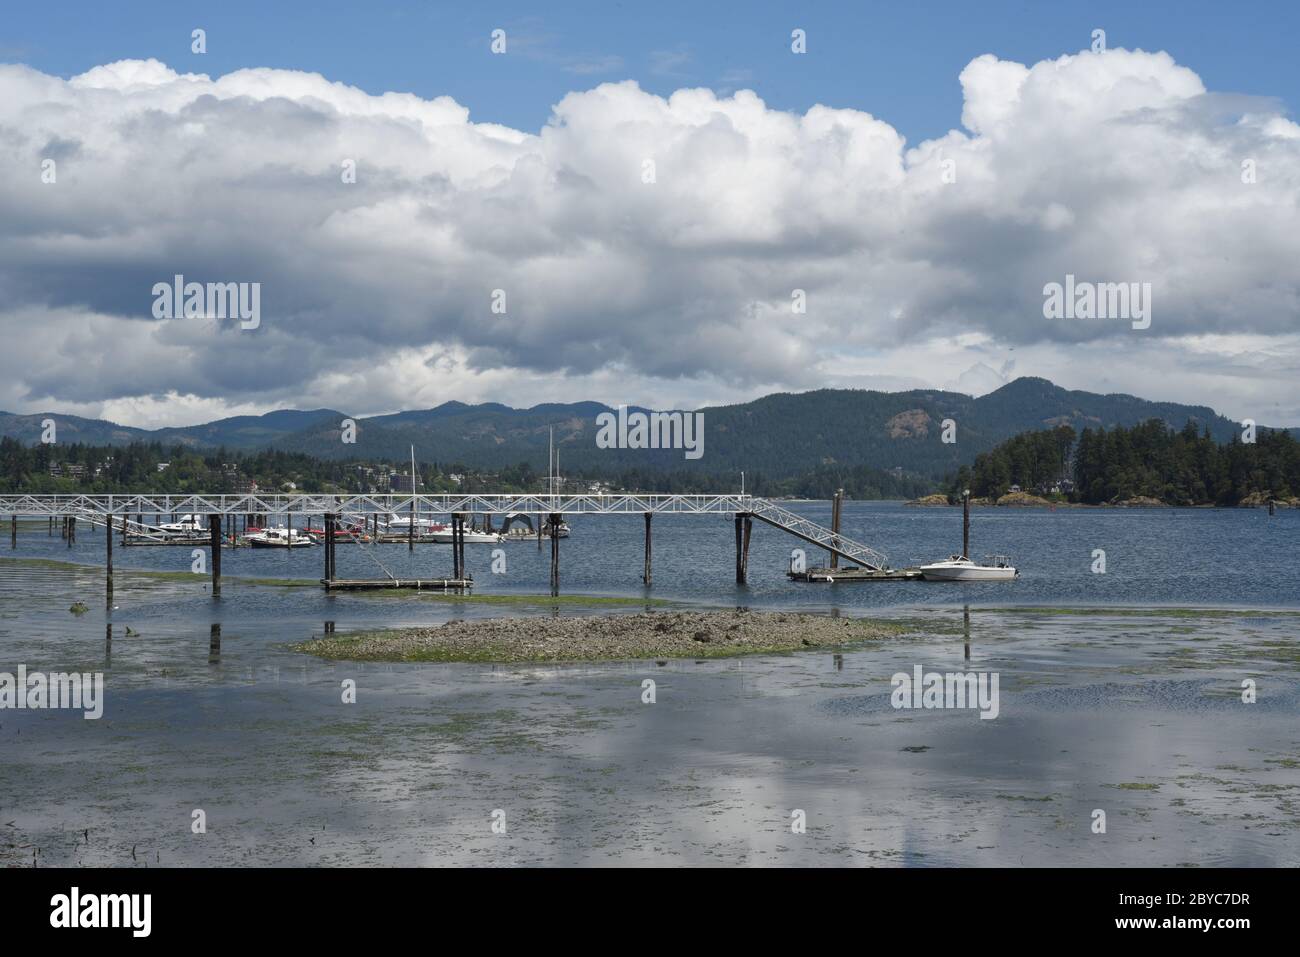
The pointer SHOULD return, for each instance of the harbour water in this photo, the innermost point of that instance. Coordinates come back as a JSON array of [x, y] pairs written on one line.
[[1126, 704]]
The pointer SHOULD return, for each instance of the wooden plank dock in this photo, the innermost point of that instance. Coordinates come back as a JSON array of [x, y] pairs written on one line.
[[855, 574], [418, 584]]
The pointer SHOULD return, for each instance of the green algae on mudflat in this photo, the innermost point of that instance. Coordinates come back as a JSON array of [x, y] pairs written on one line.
[[526, 600], [155, 575]]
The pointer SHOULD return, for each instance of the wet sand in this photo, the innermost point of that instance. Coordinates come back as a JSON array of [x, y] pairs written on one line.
[[1136, 712], [617, 637]]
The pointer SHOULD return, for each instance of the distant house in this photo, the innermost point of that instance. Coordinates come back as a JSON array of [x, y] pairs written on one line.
[[399, 483], [164, 466], [237, 484], [456, 477], [1015, 488]]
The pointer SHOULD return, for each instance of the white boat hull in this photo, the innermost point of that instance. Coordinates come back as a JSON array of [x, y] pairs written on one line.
[[966, 571], [471, 538]]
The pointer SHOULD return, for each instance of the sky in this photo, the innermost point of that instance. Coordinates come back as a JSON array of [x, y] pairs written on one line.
[[653, 204]]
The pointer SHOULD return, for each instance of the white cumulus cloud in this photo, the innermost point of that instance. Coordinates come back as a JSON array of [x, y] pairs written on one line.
[[923, 264]]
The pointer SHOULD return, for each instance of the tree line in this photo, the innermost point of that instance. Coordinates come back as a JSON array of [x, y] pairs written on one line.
[[1175, 466]]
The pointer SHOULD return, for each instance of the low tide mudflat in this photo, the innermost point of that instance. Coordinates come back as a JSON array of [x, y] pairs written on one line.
[[1125, 707], [691, 634]]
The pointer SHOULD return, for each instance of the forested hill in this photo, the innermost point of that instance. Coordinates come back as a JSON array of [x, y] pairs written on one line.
[[1184, 466], [781, 436]]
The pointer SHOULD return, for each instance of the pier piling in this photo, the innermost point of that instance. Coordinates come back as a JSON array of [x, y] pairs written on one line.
[[965, 524], [837, 505], [108, 556], [744, 525], [555, 553], [214, 541], [456, 531], [645, 575], [330, 533], [13, 531]]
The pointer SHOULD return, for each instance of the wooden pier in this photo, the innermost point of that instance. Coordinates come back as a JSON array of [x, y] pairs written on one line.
[[128, 512]]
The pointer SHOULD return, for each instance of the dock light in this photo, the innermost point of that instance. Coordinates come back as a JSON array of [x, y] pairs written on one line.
[[965, 493]]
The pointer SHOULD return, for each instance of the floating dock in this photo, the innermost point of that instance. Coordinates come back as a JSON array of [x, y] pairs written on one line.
[[855, 574], [419, 584]]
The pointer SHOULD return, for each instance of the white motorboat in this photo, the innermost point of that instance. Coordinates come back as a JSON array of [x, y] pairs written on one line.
[[401, 525], [188, 526], [279, 537], [959, 568], [471, 536]]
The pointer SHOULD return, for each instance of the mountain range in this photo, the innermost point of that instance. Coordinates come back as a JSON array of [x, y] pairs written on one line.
[[777, 435]]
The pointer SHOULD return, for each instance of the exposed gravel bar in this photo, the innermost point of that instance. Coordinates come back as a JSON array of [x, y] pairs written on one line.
[[707, 634]]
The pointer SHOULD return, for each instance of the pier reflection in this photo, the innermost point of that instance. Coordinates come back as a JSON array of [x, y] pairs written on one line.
[[965, 628]]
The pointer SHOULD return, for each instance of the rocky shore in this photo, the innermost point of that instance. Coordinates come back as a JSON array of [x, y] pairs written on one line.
[[614, 637]]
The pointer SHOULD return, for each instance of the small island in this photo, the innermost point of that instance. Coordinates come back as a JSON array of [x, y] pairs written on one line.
[[610, 637]]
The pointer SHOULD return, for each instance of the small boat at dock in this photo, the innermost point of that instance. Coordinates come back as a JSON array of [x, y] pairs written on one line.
[[189, 526], [280, 537], [959, 568]]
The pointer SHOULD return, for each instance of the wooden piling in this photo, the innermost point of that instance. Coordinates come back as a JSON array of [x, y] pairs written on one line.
[[645, 575], [965, 524], [329, 547], [108, 557], [13, 531], [455, 544], [555, 554], [744, 555], [837, 504], [214, 541], [464, 573], [740, 541]]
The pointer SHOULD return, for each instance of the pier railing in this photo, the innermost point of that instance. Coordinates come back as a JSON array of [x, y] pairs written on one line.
[[101, 507], [818, 535], [80, 506]]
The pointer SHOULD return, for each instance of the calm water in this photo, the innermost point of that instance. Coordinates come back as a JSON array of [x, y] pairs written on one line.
[[1204, 557], [1137, 715]]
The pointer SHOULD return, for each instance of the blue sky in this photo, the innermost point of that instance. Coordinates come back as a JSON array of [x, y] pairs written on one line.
[[898, 61], [784, 247]]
